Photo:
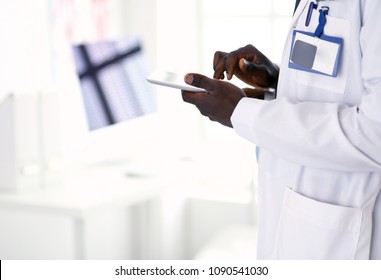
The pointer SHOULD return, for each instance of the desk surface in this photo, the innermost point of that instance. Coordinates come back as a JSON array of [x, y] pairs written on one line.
[[85, 192]]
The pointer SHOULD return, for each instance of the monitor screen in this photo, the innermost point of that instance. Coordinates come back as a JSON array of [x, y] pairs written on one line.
[[113, 81]]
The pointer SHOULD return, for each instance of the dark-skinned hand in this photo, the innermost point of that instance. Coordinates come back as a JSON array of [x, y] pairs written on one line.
[[249, 65], [217, 102]]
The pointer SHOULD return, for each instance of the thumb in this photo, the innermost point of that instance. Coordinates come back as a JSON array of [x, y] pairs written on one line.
[[198, 80]]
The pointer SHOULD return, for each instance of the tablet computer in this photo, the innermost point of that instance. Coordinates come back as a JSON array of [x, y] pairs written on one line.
[[170, 79]]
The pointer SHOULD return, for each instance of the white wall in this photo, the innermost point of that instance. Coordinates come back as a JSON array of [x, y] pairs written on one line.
[[25, 56]]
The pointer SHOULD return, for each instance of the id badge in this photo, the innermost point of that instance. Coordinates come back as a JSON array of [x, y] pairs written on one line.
[[319, 55]]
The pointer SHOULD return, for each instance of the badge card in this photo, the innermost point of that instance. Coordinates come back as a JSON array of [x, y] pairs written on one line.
[[314, 54]]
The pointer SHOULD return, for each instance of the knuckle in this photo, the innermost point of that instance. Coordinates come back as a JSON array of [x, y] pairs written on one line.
[[249, 46]]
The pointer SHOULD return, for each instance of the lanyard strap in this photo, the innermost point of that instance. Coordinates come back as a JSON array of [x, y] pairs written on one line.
[[322, 21]]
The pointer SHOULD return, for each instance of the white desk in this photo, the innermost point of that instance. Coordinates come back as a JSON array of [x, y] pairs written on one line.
[[41, 216]]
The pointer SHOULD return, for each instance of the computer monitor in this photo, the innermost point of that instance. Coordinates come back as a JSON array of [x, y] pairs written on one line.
[[116, 99], [113, 81]]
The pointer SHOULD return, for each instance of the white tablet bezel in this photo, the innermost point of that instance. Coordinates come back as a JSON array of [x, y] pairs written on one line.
[[173, 80]]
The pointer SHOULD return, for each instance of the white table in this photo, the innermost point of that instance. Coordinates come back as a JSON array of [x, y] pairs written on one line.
[[42, 215]]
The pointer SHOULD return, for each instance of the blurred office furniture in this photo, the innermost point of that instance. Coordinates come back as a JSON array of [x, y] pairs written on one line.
[[105, 218], [20, 150], [237, 242], [29, 146], [103, 213], [229, 219]]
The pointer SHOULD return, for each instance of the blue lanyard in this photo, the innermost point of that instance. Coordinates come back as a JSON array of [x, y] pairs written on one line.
[[322, 21]]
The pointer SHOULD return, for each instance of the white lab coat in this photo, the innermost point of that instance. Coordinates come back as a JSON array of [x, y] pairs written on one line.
[[320, 140]]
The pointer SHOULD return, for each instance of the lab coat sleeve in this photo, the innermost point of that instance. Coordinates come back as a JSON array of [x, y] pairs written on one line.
[[324, 135]]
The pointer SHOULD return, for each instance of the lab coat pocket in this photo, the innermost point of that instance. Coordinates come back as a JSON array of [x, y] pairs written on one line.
[[309, 229]]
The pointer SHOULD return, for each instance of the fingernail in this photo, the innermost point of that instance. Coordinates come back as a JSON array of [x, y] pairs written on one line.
[[189, 79]]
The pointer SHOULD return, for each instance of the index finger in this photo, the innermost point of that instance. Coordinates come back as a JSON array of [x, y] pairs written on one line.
[[219, 62], [192, 97]]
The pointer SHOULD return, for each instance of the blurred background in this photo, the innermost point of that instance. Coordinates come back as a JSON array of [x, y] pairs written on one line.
[[95, 163]]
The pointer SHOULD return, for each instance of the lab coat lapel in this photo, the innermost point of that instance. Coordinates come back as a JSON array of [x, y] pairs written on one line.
[[299, 11]]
